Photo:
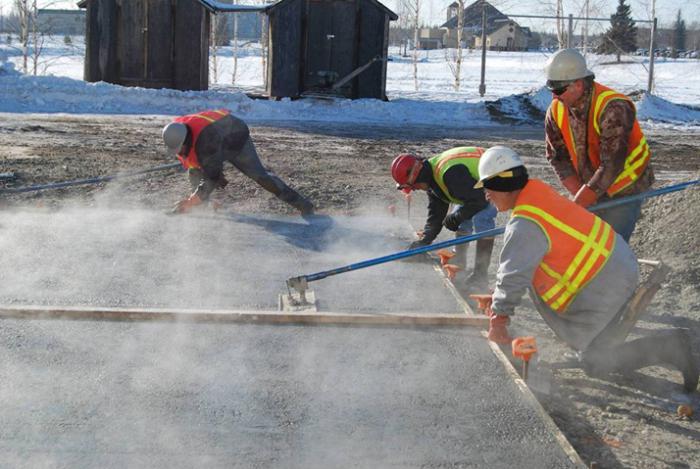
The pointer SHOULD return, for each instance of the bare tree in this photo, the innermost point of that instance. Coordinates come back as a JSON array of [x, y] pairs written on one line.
[[454, 59], [23, 14], [413, 8], [263, 42], [235, 49]]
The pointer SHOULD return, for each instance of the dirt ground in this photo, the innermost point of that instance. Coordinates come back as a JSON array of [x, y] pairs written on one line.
[[626, 421]]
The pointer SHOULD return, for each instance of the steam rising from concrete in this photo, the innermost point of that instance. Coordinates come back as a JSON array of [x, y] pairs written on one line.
[[193, 395]]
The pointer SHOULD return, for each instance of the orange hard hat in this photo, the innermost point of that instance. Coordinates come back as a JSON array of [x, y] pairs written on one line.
[[405, 169]]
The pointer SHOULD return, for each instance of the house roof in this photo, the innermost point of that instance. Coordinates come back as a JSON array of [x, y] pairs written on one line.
[[472, 17], [393, 16]]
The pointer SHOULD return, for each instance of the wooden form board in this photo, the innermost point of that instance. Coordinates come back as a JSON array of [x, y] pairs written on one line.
[[256, 317]]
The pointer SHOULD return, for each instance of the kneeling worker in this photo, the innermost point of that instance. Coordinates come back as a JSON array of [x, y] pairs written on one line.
[[203, 141], [449, 177], [580, 274]]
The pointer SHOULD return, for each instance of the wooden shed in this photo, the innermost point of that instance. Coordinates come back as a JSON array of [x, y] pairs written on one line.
[[148, 43], [336, 47]]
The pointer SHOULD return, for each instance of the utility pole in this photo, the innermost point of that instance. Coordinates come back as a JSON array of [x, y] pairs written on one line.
[[482, 85], [650, 85], [585, 32]]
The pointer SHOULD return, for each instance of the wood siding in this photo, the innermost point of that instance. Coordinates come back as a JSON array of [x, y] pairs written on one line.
[[147, 43]]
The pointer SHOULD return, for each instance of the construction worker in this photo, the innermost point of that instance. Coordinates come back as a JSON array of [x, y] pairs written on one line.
[[580, 274], [203, 141], [449, 177], [594, 142]]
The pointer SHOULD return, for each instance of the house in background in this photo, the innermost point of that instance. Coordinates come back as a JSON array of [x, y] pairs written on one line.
[[431, 38], [502, 33]]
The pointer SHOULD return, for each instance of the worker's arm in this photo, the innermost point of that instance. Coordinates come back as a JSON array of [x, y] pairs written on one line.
[[555, 150], [209, 153], [616, 124], [460, 183], [524, 246], [437, 209]]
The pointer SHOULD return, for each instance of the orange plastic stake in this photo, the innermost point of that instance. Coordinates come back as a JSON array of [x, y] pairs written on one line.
[[445, 256], [524, 348], [451, 270]]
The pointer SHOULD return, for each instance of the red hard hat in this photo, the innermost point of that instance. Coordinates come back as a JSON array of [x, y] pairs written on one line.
[[405, 169]]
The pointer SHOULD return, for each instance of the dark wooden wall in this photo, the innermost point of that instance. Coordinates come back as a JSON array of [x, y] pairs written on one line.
[[285, 64], [300, 47], [147, 43]]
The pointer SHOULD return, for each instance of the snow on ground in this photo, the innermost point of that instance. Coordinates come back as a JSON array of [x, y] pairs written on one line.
[[514, 79]]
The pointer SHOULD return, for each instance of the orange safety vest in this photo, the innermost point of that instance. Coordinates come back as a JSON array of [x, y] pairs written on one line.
[[580, 243], [196, 123], [638, 151]]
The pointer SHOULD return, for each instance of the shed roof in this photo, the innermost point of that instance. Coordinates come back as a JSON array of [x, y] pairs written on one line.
[[393, 16], [214, 6]]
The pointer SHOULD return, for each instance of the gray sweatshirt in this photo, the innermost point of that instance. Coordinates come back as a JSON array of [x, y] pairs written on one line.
[[525, 244]]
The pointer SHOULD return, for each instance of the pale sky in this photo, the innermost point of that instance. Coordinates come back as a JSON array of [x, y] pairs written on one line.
[[433, 11]]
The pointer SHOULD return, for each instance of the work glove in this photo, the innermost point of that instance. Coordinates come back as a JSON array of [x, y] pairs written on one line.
[[452, 221], [585, 196], [572, 184], [484, 303], [498, 331], [185, 205]]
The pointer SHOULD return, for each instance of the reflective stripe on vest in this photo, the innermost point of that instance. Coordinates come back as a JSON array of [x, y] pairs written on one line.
[[467, 156], [196, 123], [638, 157], [580, 243]]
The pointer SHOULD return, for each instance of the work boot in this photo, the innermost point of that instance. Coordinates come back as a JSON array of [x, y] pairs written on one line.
[[482, 260], [460, 250], [666, 348], [297, 201]]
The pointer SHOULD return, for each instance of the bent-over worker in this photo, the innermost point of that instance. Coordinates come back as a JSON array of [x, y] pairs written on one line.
[[203, 141], [449, 178]]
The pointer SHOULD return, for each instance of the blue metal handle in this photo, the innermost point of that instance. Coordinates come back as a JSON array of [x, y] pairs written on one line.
[[79, 182], [479, 235]]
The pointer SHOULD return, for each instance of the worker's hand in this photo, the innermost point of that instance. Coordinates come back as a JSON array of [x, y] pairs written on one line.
[[498, 332], [419, 243], [484, 302], [585, 197], [452, 222], [185, 205], [572, 184]]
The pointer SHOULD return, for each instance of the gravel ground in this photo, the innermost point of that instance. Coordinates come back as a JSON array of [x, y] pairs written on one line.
[[627, 421]]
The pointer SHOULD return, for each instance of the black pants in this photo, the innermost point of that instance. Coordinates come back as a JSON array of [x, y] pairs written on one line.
[[663, 348]]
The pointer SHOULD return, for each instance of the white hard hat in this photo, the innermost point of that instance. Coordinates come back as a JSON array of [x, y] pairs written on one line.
[[174, 135], [566, 65], [496, 161]]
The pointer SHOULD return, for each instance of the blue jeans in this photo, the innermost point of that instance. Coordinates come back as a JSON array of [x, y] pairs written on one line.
[[622, 218], [481, 221]]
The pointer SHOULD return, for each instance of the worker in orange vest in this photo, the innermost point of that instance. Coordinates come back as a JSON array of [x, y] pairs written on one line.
[[594, 141], [580, 273], [203, 141]]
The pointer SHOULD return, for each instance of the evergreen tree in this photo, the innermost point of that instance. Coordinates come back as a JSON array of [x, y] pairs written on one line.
[[622, 35], [679, 35]]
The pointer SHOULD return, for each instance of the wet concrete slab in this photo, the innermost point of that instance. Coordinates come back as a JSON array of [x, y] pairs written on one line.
[[105, 394], [211, 260], [113, 394]]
